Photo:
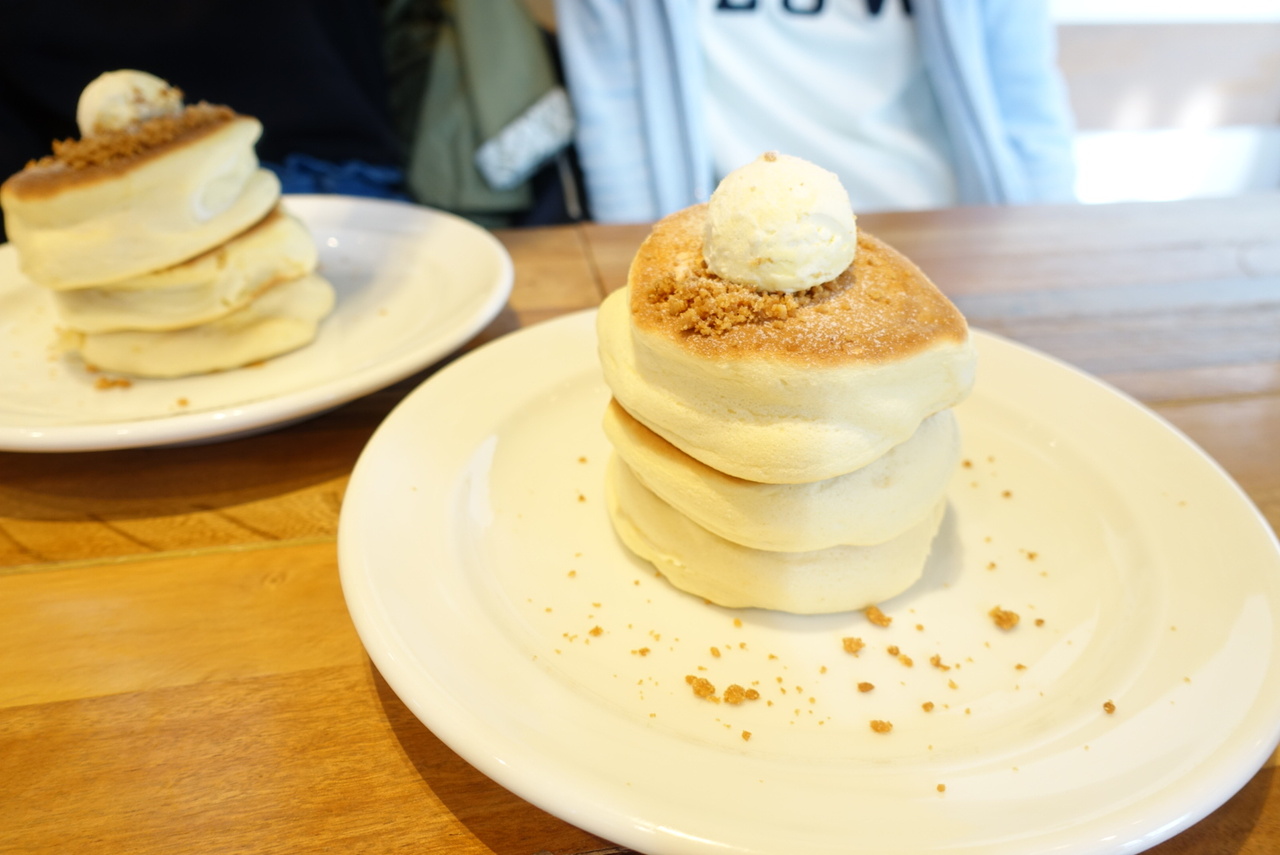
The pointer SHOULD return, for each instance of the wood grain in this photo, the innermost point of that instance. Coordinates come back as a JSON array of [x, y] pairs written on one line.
[[321, 760], [110, 628]]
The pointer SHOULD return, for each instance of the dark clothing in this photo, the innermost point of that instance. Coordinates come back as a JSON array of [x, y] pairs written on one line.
[[312, 72]]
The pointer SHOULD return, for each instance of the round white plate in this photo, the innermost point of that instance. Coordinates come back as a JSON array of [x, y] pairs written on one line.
[[485, 581], [413, 284]]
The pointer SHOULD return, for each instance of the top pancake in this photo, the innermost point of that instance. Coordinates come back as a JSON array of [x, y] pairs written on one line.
[[776, 388], [882, 308], [111, 154], [123, 203]]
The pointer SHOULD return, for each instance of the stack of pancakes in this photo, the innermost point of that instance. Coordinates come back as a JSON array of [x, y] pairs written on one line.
[[163, 242], [787, 451]]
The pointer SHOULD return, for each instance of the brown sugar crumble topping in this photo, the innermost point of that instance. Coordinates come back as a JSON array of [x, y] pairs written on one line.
[[852, 644], [876, 616], [702, 687], [895, 651], [734, 694], [104, 383], [110, 147], [705, 304], [1109, 708], [881, 726], [1004, 618]]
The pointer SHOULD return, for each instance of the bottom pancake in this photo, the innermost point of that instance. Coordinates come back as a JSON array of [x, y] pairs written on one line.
[[284, 318], [836, 579]]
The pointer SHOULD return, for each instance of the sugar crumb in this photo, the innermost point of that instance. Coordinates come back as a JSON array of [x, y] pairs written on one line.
[[1004, 618], [876, 616]]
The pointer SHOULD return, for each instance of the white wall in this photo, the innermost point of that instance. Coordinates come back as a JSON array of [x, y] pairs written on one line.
[[1187, 162], [1163, 11]]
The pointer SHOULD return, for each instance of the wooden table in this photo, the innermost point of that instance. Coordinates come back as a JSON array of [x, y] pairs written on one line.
[[178, 672]]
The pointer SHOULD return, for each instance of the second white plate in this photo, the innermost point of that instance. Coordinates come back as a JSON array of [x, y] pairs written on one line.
[[1140, 689], [413, 284]]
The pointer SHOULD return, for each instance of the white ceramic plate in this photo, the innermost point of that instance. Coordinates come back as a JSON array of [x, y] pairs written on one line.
[[478, 562], [413, 284]]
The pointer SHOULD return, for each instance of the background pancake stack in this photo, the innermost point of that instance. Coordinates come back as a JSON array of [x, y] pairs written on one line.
[[786, 446], [161, 238]]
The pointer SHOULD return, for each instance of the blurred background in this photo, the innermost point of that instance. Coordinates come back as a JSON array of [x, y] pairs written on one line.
[[1173, 99]]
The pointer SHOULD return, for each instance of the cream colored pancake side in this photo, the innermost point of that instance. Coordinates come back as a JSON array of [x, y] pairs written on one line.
[[203, 289], [838, 579], [168, 209], [869, 505], [283, 319], [772, 420]]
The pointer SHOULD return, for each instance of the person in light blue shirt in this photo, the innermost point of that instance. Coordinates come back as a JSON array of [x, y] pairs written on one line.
[[914, 103]]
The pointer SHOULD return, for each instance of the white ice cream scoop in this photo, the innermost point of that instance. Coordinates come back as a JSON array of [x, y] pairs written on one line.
[[117, 99], [780, 223]]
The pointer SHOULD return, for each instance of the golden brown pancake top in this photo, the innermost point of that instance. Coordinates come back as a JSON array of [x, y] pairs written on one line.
[[109, 154], [881, 308]]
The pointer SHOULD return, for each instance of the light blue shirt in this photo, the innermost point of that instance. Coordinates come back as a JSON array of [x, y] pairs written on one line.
[[635, 76], [844, 87]]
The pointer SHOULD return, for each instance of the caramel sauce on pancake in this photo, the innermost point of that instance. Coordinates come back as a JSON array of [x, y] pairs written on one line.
[[880, 309]]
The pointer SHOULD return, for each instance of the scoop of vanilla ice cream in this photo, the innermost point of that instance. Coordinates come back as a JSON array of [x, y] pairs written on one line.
[[117, 99], [780, 223]]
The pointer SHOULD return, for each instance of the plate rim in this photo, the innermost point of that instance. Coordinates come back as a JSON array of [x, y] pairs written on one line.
[[258, 414], [614, 822]]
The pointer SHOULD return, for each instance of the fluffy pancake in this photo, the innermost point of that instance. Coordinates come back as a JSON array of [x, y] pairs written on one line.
[[199, 290], [286, 317], [840, 578], [780, 388], [118, 205], [869, 505]]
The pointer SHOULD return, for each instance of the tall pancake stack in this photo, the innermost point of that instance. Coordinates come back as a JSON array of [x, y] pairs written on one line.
[[164, 244], [782, 389]]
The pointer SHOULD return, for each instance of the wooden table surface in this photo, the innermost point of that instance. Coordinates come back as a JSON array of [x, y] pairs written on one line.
[[178, 672]]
